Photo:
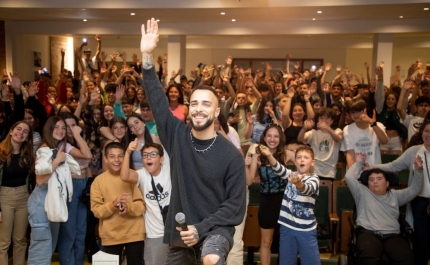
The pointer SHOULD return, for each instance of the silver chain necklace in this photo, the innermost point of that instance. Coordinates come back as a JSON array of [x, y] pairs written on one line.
[[204, 150]]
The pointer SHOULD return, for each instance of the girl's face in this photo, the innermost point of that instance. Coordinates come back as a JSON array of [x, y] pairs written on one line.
[[174, 94], [268, 108], [278, 88], [108, 113], [272, 138], [20, 133], [59, 131], [298, 113], [70, 123], [336, 110], [98, 100], [118, 130], [131, 93], [29, 118], [69, 93], [140, 95], [90, 87], [391, 101], [317, 106], [136, 126], [96, 114]]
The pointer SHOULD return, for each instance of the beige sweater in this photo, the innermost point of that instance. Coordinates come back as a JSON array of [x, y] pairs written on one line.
[[114, 228]]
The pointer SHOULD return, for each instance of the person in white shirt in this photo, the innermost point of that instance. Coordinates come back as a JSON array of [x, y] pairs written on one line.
[[363, 135], [155, 184]]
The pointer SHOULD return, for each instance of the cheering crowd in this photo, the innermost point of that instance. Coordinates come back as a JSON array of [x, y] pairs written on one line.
[[105, 158]]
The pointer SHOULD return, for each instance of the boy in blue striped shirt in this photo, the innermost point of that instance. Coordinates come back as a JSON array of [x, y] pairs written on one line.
[[297, 219]]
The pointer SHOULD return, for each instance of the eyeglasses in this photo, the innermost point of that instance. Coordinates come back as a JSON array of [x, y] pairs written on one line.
[[151, 154]]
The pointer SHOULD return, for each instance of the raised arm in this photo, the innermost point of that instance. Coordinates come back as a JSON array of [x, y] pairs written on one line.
[[286, 121], [99, 46], [401, 106], [406, 195], [379, 93], [126, 174]]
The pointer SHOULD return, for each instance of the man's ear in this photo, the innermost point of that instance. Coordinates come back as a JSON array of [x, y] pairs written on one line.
[[217, 111], [388, 184]]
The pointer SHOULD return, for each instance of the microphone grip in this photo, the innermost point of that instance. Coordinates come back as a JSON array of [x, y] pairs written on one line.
[[183, 226]]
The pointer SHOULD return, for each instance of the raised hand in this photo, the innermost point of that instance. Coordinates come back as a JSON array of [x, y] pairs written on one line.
[[338, 68], [327, 67], [85, 76], [97, 37], [308, 124], [366, 65], [134, 58], [379, 72], [78, 53], [76, 130], [291, 92], [103, 56], [83, 95], [296, 66], [94, 95], [119, 93], [360, 157], [408, 84], [124, 56], [63, 52], [149, 37], [229, 60], [264, 150], [15, 81], [32, 89], [418, 162], [295, 178], [249, 117], [132, 146]]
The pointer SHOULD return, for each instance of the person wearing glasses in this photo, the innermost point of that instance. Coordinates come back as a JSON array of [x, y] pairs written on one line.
[[155, 184]]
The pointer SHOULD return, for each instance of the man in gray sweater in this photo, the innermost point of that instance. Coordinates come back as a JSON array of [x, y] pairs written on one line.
[[208, 172], [378, 212]]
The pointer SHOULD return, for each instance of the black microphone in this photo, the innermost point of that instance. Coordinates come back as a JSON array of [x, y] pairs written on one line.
[[180, 218]]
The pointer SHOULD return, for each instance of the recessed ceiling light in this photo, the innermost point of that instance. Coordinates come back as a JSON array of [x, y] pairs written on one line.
[[85, 20], [319, 12], [132, 14], [426, 8], [234, 20], [157, 20], [401, 17], [313, 18], [223, 13]]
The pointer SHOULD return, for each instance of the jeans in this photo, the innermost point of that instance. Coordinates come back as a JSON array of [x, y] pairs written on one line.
[[293, 242], [71, 242], [44, 234], [133, 252], [14, 212]]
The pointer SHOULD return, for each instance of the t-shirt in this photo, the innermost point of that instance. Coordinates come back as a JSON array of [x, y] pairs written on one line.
[[413, 123], [152, 128], [362, 141], [233, 136], [326, 152], [154, 225]]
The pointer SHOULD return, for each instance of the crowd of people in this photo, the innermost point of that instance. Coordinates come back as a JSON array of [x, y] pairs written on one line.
[[126, 150]]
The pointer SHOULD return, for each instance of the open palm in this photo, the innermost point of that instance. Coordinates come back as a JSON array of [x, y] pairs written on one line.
[[149, 37]]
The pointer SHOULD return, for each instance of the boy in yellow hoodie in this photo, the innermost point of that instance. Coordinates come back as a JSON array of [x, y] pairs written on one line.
[[120, 206]]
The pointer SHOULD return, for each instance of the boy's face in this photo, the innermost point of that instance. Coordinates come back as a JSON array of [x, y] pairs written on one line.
[[127, 109], [304, 162], [356, 115], [114, 158], [377, 184], [152, 164], [325, 119]]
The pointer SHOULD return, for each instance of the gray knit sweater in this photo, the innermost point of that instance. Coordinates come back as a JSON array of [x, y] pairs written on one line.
[[380, 213], [209, 187]]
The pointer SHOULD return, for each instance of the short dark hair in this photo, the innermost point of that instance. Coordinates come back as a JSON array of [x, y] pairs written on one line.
[[305, 148], [357, 105], [155, 145], [113, 145], [126, 100], [204, 87], [144, 104], [422, 99], [110, 88]]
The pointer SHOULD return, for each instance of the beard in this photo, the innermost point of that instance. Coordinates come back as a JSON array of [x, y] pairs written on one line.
[[202, 127]]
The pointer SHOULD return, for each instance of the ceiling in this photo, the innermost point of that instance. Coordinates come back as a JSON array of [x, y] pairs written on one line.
[[246, 14]]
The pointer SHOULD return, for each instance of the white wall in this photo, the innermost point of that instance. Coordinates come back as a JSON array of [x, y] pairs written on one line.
[[23, 60]]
